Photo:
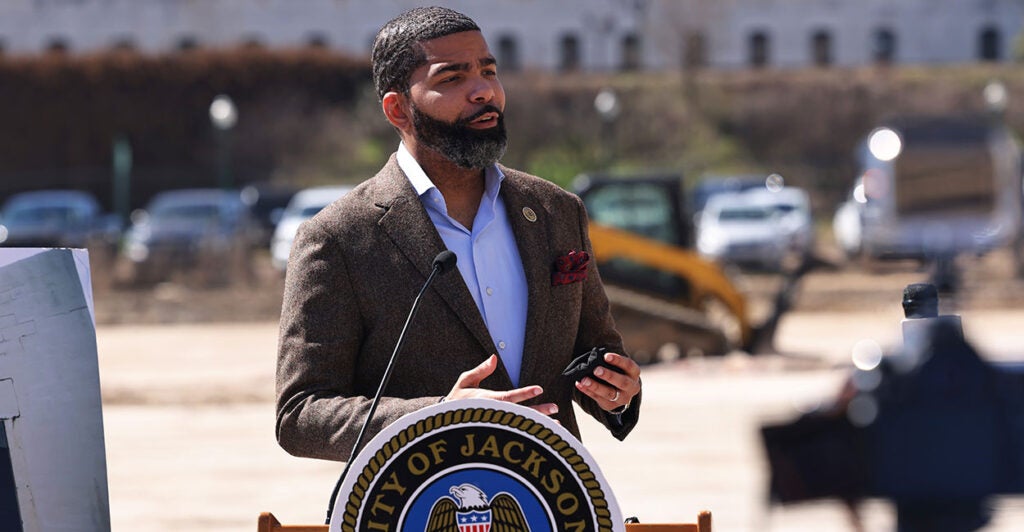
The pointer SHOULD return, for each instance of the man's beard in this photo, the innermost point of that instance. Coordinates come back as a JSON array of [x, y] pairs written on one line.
[[459, 143]]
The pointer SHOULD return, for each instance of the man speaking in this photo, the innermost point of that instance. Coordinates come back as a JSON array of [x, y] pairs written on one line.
[[526, 299]]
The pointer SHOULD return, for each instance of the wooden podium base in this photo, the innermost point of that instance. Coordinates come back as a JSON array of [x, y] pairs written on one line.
[[477, 464], [268, 523]]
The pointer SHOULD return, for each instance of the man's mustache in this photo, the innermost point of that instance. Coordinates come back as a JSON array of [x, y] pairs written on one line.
[[486, 109]]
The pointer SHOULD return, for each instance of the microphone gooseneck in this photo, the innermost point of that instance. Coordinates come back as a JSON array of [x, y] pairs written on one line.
[[443, 263]]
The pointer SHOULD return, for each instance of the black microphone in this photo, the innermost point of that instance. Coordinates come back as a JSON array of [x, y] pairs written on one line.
[[443, 263]]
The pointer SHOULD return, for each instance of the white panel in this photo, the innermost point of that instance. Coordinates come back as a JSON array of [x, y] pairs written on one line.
[[8, 400], [48, 352]]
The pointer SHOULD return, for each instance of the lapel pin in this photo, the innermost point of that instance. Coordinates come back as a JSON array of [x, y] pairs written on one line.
[[529, 214]]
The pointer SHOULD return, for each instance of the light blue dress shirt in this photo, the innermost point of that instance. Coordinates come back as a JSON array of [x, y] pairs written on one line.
[[488, 258]]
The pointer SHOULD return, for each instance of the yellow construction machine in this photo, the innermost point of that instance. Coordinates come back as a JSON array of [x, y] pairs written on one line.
[[667, 300]]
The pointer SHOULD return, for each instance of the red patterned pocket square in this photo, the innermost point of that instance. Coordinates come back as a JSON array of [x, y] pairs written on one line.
[[570, 268]]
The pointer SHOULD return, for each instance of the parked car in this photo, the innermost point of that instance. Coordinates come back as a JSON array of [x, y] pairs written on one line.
[[203, 231], [712, 185], [758, 227], [57, 218], [303, 206], [793, 207], [847, 222], [266, 202]]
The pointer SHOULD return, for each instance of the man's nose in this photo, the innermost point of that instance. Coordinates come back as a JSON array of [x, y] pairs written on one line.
[[483, 91]]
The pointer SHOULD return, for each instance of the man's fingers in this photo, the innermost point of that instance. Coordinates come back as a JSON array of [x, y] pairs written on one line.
[[473, 377], [611, 380], [511, 396], [521, 394], [518, 395], [612, 389], [626, 364], [548, 409], [602, 393]]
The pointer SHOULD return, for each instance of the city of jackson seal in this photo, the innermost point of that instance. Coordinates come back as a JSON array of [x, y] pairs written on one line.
[[475, 465]]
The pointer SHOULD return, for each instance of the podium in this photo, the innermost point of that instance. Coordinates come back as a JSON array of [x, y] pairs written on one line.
[[473, 465], [268, 523]]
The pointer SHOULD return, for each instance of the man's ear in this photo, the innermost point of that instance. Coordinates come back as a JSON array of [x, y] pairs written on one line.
[[396, 110]]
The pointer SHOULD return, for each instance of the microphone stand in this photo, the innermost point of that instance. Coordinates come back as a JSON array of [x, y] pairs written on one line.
[[443, 262]]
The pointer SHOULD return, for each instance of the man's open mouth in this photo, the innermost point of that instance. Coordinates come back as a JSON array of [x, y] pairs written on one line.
[[486, 118]]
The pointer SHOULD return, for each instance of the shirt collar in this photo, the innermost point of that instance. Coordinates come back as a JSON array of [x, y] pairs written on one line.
[[493, 176]]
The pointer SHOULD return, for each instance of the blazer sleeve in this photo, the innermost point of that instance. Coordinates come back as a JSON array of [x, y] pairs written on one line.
[[597, 328], [319, 413]]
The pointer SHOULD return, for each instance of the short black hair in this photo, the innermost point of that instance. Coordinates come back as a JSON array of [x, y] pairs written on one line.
[[396, 51]]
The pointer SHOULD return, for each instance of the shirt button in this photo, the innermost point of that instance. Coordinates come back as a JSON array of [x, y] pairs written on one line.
[[501, 345], [490, 291]]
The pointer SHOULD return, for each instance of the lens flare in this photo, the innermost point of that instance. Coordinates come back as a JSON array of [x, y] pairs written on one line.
[[885, 144], [867, 355], [863, 410]]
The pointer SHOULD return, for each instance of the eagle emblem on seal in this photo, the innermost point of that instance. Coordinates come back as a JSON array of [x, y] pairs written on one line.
[[468, 510]]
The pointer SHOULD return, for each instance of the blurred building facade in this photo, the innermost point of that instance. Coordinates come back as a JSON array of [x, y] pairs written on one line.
[[567, 35]]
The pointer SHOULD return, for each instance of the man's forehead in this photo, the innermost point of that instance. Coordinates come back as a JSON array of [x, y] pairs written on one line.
[[465, 46]]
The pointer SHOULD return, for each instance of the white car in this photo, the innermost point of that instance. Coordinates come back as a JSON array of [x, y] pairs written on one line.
[[303, 206], [847, 223], [758, 227], [793, 207]]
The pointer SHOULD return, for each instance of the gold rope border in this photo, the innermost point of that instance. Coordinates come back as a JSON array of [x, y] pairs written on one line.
[[478, 415]]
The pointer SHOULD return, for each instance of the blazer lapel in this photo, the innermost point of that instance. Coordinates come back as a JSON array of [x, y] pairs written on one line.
[[407, 224], [533, 243]]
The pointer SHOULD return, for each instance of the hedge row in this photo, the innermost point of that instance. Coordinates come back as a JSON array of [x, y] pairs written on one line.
[[60, 114]]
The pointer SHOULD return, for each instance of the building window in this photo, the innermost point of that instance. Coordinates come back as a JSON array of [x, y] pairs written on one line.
[[508, 53], [317, 40], [883, 46], [252, 42], [821, 48], [990, 44], [631, 52], [57, 45], [695, 54], [187, 43], [124, 44], [758, 49], [569, 53]]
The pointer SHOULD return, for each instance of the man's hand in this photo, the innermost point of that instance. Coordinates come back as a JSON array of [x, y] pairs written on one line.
[[618, 389], [468, 386]]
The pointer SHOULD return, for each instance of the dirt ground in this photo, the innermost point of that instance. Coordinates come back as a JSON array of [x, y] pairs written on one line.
[[985, 282], [187, 383]]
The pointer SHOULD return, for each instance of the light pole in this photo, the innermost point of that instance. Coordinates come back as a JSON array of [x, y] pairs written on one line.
[[995, 97], [607, 105], [223, 116], [122, 162], [996, 100]]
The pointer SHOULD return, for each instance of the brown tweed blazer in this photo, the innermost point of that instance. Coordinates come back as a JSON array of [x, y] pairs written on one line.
[[354, 271]]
